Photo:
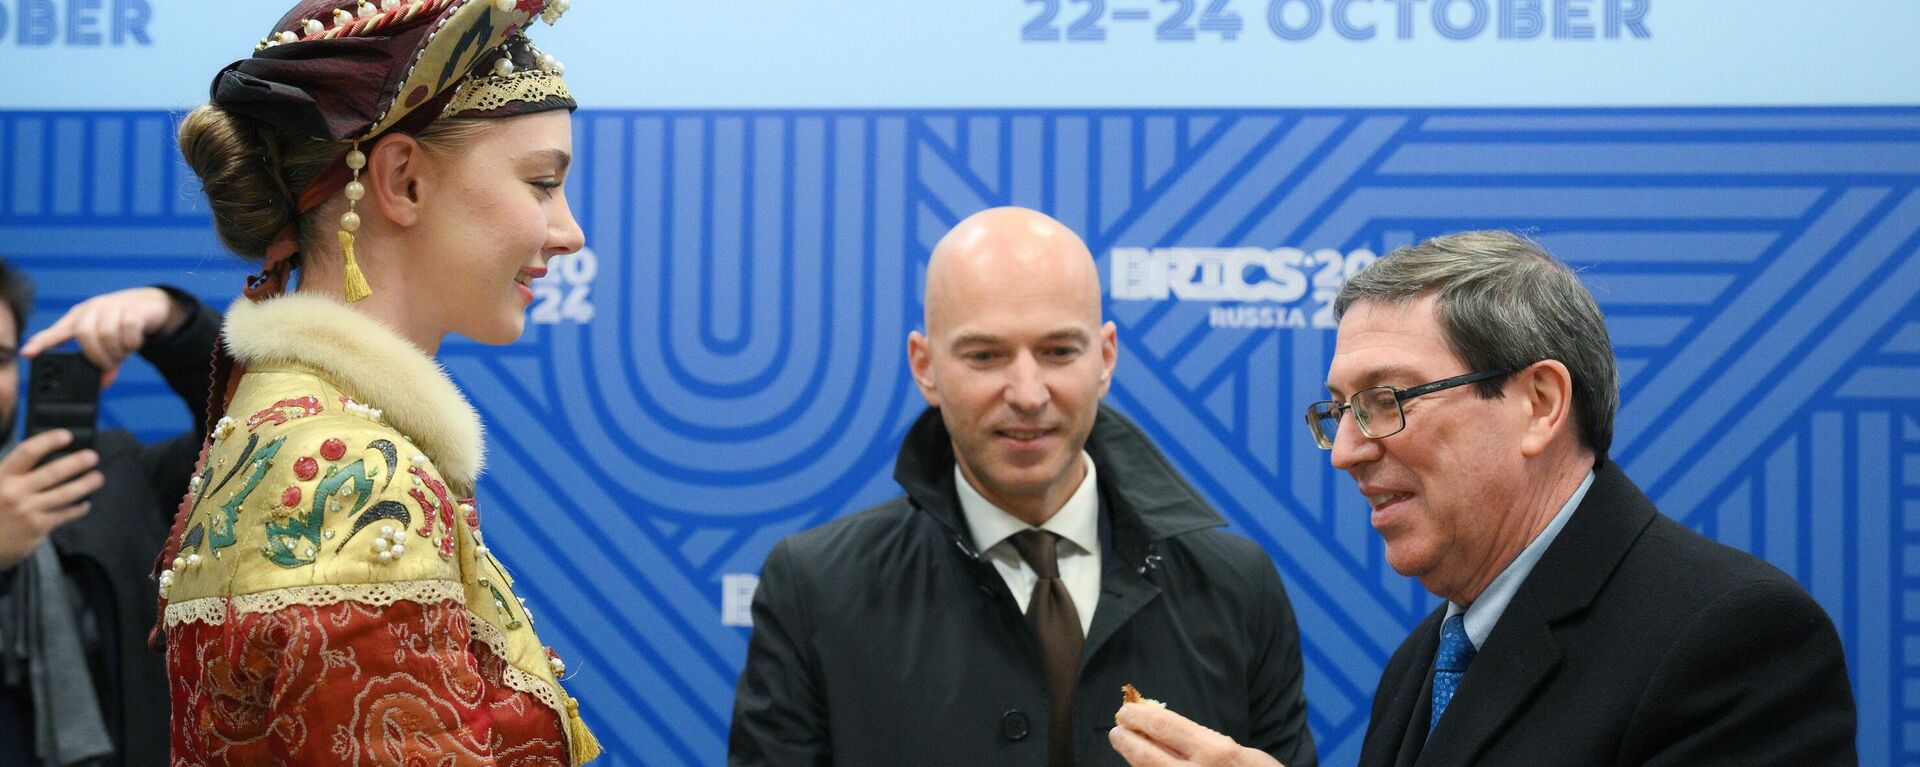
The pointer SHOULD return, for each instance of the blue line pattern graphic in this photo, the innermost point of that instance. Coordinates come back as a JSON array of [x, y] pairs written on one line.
[[732, 370]]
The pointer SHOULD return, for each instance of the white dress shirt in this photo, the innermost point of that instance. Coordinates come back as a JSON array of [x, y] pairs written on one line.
[[1078, 525]]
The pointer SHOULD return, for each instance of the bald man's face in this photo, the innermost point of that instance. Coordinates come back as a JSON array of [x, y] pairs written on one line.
[[1016, 359]]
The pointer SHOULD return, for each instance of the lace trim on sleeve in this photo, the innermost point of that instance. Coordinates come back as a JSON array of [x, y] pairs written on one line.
[[213, 611], [549, 693]]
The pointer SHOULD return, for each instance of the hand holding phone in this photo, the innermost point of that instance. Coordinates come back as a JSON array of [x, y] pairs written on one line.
[[39, 494]]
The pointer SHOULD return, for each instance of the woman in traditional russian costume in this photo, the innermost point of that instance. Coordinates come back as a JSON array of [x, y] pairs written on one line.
[[328, 596]]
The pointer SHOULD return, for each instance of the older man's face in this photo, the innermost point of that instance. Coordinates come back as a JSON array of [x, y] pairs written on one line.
[[1442, 491]]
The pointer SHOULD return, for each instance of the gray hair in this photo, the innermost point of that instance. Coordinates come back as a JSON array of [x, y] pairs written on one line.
[[1504, 303]]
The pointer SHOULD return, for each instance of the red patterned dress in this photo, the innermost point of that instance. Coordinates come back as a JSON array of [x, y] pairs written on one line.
[[332, 602]]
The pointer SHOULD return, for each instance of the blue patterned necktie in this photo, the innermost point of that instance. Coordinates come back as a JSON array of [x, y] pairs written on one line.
[[1456, 651]]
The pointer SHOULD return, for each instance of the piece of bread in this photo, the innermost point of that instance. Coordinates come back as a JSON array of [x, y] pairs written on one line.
[[1130, 695]]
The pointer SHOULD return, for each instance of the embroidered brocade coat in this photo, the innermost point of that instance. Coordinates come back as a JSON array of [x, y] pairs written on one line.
[[332, 601]]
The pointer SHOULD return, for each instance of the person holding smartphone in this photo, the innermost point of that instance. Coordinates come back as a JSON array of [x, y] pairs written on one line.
[[78, 534]]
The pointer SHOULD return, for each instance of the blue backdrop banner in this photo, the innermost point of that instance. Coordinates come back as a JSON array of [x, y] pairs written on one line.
[[725, 364]]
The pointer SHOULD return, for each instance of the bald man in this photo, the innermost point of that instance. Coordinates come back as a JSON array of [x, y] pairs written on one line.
[[1044, 553]]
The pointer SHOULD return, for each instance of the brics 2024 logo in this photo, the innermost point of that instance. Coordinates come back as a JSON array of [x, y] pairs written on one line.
[[565, 293], [1252, 288]]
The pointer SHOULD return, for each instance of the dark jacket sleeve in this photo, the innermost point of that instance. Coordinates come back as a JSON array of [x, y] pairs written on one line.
[[1759, 678], [184, 359], [779, 717], [1279, 702]]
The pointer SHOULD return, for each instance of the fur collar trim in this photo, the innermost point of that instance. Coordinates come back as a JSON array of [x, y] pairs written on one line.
[[369, 361]]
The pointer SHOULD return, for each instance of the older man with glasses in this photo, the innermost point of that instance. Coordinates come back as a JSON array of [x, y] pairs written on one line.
[[1473, 392]]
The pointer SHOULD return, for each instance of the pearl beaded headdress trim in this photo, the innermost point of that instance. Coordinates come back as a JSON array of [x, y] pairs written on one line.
[[507, 84], [366, 19], [376, 65]]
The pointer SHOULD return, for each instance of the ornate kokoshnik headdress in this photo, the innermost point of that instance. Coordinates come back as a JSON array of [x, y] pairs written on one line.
[[347, 71]]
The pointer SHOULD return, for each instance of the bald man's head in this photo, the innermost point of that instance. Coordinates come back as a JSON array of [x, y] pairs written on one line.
[[1010, 251], [1015, 355]]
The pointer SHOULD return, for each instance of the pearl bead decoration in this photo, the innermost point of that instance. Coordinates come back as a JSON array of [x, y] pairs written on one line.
[[368, 412], [391, 544]]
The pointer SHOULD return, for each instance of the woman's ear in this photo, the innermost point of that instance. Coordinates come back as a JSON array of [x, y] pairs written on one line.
[[392, 178]]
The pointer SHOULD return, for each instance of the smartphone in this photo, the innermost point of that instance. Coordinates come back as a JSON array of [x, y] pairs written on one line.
[[63, 392]]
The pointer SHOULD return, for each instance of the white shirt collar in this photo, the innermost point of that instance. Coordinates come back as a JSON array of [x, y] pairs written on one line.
[[1078, 521]]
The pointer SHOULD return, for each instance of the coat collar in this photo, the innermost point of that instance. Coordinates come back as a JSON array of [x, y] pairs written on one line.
[[368, 361], [1140, 488], [1522, 653], [1569, 576], [1143, 501]]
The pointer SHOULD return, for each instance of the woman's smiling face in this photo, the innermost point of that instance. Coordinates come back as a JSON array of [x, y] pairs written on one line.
[[498, 215]]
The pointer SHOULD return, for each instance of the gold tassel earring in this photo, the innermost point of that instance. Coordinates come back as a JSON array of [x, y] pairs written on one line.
[[582, 747], [356, 287]]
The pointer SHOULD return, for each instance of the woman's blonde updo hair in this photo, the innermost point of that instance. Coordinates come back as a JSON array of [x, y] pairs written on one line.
[[253, 174]]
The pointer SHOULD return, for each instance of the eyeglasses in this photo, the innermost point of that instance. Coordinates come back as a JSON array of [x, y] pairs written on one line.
[[1377, 408]]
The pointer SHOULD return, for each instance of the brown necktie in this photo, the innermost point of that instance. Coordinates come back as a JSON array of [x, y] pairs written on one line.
[[1050, 611]]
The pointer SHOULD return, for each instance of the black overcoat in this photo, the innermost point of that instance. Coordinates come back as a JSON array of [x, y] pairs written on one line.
[[1634, 641], [884, 639]]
